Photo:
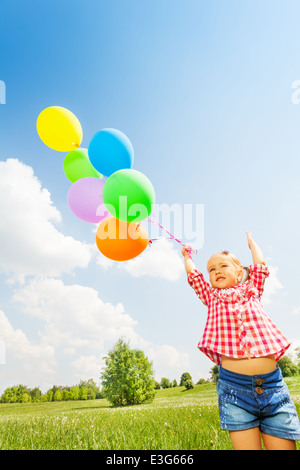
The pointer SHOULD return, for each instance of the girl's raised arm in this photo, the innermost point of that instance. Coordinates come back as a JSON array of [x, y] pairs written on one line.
[[188, 262], [257, 255]]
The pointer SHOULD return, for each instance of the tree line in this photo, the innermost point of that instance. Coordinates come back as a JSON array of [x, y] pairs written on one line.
[[85, 390], [127, 379], [185, 381]]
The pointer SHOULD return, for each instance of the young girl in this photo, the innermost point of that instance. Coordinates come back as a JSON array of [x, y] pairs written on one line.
[[244, 342]]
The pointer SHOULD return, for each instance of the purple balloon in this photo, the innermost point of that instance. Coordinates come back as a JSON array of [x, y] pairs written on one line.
[[85, 199]]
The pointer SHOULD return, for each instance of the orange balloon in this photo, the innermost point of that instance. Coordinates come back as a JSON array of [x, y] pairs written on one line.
[[121, 241]]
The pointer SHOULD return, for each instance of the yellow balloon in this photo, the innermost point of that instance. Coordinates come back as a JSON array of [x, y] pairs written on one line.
[[59, 129]]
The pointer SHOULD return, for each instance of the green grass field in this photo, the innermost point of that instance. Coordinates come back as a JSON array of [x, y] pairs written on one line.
[[177, 419]]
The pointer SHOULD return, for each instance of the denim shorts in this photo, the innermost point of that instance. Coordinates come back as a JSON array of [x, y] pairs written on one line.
[[249, 401]]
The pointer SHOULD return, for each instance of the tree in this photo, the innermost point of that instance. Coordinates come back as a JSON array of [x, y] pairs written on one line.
[[66, 394], [83, 393], [16, 394], [202, 381], [165, 383], [189, 384], [156, 385], [185, 376], [25, 398], [128, 378], [297, 351], [74, 393], [35, 394], [54, 389], [57, 395], [214, 373], [93, 390], [8, 396], [288, 368]]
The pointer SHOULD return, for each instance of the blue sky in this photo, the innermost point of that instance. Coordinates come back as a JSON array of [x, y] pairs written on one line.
[[203, 89]]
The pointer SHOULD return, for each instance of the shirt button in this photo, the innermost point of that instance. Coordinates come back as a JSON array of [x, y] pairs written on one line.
[[258, 390]]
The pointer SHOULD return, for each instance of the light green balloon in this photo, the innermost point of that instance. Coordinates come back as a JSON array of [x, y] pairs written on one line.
[[77, 165], [128, 195]]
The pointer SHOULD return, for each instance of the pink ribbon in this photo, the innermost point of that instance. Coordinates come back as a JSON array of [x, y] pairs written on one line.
[[189, 250]]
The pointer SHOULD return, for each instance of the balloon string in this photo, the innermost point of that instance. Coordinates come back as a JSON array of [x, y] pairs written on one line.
[[189, 250], [161, 226]]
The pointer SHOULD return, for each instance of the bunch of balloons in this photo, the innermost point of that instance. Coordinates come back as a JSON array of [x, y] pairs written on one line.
[[105, 189]]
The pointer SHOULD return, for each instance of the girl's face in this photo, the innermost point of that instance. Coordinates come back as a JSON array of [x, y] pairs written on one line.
[[223, 273]]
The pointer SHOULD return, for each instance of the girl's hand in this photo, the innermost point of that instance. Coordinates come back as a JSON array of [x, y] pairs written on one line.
[[188, 262], [250, 240], [257, 255], [187, 251]]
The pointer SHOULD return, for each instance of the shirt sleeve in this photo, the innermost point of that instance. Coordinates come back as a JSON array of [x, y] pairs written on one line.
[[258, 274], [200, 286]]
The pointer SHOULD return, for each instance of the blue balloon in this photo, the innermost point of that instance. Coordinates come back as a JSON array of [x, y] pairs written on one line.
[[110, 150]]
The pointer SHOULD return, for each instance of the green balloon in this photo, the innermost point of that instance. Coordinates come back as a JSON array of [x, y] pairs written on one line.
[[77, 165], [128, 195]]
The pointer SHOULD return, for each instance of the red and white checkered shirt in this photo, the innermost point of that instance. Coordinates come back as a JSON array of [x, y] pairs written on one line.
[[237, 325]]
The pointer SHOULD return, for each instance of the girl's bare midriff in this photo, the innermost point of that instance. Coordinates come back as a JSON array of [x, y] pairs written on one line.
[[250, 366]]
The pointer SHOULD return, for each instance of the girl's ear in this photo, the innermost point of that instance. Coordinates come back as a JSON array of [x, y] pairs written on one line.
[[240, 275], [247, 273]]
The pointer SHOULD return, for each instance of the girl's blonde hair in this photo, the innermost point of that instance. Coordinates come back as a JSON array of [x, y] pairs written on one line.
[[238, 264]]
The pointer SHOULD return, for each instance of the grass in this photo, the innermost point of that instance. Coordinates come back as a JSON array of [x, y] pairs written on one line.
[[177, 419]]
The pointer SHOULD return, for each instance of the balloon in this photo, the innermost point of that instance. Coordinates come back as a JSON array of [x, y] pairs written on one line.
[[85, 199], [128, 195], [121, 241], [110, 150], [59, 129], [77, 165]]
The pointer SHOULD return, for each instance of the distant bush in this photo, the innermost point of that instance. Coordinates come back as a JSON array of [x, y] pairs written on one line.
[[184, 377], [188, 384]]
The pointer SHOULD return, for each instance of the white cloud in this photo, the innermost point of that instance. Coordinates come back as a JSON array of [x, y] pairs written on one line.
[[291, 352], [70, 351], [168, 361], [87, 367], [159, 260], [18, 344], [74, 321], [103, 261], [30, 243], [272, 285], [26, 361], [295, 310], [74, 315]]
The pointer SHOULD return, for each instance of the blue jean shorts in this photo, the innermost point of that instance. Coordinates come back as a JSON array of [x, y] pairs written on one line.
[[249, 401]]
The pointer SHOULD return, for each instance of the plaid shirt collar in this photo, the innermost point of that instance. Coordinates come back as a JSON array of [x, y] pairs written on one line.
[[236, 293]]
